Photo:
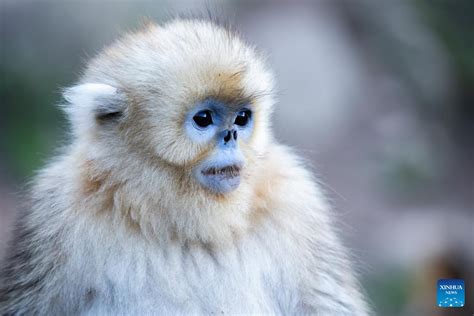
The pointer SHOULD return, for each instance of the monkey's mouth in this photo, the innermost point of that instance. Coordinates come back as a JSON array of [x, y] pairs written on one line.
[[219, 178], [231, 171]]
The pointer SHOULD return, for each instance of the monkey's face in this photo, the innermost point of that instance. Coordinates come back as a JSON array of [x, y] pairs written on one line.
[[223, 128], [189, 94]]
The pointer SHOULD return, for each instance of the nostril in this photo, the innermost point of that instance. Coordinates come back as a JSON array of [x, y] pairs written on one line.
[[227, 136], [235, 135]]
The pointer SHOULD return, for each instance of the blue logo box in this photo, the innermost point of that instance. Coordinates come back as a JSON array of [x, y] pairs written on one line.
[[451, 293]]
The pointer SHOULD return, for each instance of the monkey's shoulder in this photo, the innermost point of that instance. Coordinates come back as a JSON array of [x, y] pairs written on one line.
[[295, 201], [288, 187]]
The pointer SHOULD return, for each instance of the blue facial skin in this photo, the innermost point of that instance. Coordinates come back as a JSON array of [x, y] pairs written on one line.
[[220, 172]]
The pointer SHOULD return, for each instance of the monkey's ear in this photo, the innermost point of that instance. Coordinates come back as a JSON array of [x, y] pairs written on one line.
[[91, 103]]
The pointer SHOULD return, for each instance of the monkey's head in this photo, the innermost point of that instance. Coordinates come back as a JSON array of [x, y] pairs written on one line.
[[188, 95]]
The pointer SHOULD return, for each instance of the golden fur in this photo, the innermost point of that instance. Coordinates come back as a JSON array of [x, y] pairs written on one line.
[[135, 232]]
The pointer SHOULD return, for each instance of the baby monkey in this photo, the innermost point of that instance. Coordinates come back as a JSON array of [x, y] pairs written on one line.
[[173, 196]]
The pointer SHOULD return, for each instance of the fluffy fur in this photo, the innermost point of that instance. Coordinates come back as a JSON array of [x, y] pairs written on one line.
[[118, 226]]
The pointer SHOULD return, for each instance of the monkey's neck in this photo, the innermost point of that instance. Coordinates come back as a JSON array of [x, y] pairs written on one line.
[[163, 204]]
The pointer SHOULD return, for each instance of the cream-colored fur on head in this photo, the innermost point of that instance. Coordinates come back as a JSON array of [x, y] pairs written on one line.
[[161, 73], [166, 70], [118, 225]]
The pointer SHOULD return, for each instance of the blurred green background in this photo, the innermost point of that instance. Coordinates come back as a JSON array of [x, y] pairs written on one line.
[[379, 95]]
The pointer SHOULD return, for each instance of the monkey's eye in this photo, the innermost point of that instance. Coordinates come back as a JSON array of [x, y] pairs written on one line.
[[203, 118], [243, 117]]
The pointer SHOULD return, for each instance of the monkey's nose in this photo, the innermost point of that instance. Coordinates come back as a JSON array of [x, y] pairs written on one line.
[[230, 135]]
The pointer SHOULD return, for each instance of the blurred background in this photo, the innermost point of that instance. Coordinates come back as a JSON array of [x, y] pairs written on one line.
[[377, 95]]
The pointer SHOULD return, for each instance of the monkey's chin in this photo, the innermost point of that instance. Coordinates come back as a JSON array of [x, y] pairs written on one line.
[[220, 180]]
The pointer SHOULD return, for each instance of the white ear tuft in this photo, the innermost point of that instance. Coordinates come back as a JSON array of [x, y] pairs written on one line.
[[84, 94], [92, 103]]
